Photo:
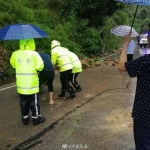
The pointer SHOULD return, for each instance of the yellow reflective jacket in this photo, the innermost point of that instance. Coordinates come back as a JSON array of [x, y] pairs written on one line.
[[26, 63], [60, 57], [76, 63]]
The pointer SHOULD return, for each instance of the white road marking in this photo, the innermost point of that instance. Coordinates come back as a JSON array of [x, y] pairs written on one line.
[[2, 89]]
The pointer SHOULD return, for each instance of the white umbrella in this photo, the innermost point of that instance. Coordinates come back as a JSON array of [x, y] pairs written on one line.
[[122, 30]]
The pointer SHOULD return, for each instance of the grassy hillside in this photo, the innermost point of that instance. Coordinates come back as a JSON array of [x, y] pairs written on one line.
[[83, 26]]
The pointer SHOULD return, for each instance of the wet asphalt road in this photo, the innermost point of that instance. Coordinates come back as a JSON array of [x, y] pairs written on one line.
[[99, 119]]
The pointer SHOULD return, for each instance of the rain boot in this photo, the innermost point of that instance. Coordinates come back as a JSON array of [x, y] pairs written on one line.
[[78, 89], [38, 120], [71, 92], [25, 120], [62, 95]]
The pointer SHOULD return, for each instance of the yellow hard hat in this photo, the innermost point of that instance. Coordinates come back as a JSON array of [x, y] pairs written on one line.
[[54, 44]]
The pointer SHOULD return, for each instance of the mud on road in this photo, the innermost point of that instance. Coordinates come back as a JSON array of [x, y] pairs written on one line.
[[99, 119]]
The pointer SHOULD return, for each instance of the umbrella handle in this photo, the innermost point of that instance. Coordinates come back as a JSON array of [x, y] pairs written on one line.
[[134, 17]]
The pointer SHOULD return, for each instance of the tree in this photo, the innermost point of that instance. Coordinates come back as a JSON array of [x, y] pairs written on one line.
[[143, 14], [94, 10]]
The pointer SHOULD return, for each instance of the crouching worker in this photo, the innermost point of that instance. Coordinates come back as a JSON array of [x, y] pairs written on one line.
[[77, 68], [47, 74], [60, 57], [26, 63]]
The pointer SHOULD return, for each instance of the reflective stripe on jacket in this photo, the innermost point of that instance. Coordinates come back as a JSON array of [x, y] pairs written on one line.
[[77, 67], [26, 62], [60, 57]]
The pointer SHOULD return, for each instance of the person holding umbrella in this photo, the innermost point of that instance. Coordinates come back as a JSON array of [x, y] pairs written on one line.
[[122, 30], [26, 63], [141, 115]]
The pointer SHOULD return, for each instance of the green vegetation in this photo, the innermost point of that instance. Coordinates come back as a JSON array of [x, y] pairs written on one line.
[[83, 26]]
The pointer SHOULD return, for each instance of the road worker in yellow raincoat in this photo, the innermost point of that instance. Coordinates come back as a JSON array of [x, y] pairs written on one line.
[[61, 58], [26, 63]]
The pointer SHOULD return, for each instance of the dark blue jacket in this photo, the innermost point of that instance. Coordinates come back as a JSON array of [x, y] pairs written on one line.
[[47, 62]]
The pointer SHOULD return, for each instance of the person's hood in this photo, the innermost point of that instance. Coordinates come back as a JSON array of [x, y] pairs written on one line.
[[27, 44]]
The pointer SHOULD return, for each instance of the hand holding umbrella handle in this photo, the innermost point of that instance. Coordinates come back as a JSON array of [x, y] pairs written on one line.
[[127, 38]]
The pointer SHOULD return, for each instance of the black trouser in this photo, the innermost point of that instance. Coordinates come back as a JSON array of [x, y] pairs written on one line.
[[47, 76], [141, 136], [129, 57], [30, 102], [65, 79], [73, 77]]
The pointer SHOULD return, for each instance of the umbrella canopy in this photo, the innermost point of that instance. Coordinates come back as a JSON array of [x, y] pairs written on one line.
[[136, 2], [21, 31], [122, 30]]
